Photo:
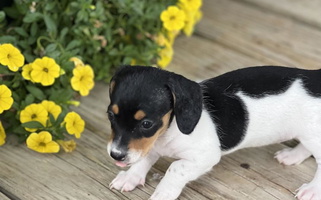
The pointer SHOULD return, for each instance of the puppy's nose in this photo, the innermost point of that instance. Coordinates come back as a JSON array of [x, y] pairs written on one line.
[[118, 155]]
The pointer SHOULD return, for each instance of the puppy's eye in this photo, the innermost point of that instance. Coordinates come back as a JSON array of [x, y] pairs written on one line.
[[147, 124], [111, 115]]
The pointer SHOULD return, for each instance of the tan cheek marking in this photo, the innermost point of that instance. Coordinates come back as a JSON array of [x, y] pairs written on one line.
[[145, 144], [111, 86], [115, 109], [111, 136], [139, 115]]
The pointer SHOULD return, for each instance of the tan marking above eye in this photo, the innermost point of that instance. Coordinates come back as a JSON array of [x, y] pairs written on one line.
[[139, 115], [115, 109], [111, 86], [145, 144]]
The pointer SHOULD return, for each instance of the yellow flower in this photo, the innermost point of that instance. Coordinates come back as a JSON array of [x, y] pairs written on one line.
[[2, 135], [173, 18], [190, 23], [160, 39], [83, 79], [6, 100], [133, 62], [171, 36], [11, 56], [166, 56], [44, 71], [75, 125], [26, 71], [191, 5], [52, 108], [68, 146], [192, 17], [34, 112], [42, 142], [77, 61]]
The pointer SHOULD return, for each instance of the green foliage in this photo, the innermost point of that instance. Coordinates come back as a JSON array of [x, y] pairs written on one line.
[[105, 33]]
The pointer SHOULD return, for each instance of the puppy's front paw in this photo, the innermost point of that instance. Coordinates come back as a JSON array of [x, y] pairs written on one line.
[[169, 193], [309, 192], [126, 181], [289, 157]]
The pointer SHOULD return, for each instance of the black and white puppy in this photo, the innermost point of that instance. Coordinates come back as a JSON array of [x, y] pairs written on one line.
[[156, 113]]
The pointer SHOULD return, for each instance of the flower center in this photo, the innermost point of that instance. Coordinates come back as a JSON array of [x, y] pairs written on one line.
[[173, 17], [45, 70], [42, 144], [33, 116], [8, 56]]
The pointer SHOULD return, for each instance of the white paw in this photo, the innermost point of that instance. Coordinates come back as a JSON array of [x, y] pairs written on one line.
[[289, 157], [309, 192], [169, 193], [126, 181]]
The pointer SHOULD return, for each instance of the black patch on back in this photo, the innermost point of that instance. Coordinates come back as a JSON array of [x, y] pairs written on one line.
[[229, 112]]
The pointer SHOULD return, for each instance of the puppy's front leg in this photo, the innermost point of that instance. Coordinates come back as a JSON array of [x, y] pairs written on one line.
[[178, 175], [135, 175]]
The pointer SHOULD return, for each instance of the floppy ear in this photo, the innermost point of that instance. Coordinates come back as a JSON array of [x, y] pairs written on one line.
[[187, 102]]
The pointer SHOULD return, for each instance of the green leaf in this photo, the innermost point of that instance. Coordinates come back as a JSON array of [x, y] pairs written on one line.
[[36, 92], [29, 99], [21, 31], [2, 16], [60, 118], [55, 54], [34, 29], [50, 5], [15, 84], [32, 17], [73, 44], [51, 119], [63, 33], [20, 130], [32, 124], [7, 39], [51, 48], [50, 24], [12, 12]]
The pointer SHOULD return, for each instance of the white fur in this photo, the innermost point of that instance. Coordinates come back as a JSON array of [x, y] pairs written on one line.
[[272, 119]]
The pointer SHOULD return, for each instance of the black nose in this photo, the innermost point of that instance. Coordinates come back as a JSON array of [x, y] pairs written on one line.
[[118, 155]]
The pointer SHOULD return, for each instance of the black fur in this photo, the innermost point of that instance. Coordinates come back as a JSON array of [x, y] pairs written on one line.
[[228, 111], [188, 102]]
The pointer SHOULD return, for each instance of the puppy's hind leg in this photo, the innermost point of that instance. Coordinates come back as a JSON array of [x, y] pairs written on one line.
[[312, 190], [292, 156]]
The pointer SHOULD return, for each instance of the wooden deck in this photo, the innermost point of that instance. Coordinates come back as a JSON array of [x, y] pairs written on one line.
[[232, 34]]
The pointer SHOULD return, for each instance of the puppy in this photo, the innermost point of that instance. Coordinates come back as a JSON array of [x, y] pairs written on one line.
[[156, 113]]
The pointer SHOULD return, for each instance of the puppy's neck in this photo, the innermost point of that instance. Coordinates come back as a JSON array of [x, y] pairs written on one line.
[[203, 140]]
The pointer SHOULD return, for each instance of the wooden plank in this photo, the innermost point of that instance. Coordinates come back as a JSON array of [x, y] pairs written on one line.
[[264, 179], [30, 175], [3, 196], [198, 58], [261, 35], [302, 11]]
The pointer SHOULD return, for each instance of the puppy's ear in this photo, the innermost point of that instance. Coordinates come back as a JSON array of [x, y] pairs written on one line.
[[187, 102]]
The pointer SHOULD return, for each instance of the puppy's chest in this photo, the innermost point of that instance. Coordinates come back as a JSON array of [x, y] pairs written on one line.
[[169, 146]]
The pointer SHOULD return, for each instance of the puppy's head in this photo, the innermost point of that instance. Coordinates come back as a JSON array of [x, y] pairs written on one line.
[[143, 101]]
